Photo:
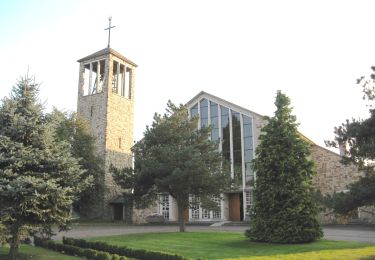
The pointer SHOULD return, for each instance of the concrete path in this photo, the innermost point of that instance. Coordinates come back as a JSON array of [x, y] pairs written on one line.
[[346, 233], [350, 233]]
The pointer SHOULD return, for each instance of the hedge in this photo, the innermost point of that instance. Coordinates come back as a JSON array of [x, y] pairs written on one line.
[[77, 251], [124, 251]]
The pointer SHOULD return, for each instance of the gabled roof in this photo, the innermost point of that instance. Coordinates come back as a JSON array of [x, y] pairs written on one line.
[[105, 52], [237, 108], [230, 104]]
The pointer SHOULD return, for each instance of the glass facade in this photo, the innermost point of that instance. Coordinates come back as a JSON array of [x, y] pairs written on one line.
[[234, 132], [235, 135]]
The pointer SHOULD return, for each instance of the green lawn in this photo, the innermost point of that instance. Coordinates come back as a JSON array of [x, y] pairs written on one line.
[[36, 253], [228, 245], [220, 245]]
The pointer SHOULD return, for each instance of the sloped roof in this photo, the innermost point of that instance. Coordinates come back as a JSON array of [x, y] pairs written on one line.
[[234, 106], [105, 52]]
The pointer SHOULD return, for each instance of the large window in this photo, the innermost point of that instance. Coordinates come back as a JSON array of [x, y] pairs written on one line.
[[214, 114], [225, 134], [237, 151], [248, 145], [204, 112], [93, 77]]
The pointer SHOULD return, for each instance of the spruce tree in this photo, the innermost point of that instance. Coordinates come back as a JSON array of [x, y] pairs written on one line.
[[284, 210], [39, 179], [76, 132]]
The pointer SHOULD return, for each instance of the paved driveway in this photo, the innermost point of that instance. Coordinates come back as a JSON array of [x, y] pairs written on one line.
[[347, 233]]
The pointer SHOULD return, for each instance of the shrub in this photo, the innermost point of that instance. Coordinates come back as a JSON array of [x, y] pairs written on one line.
[[75, 250], [122, 251]]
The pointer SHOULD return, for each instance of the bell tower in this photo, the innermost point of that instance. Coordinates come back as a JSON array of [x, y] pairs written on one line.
[[106, 102]]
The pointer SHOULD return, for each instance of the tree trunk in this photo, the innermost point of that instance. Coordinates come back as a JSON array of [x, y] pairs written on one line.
[[181, 217], [15, 242]]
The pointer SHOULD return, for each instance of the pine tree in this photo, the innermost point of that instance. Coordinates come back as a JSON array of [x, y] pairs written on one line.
[[357, 139], [176, 158], [39, 179], [284, 210]]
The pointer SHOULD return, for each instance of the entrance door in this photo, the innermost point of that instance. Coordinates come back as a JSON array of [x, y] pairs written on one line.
[[117, 212], [235, 206]]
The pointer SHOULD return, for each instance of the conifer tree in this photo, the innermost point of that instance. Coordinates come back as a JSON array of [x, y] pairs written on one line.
[[284, 210], [75, 131], [176, 158], [39, 179]]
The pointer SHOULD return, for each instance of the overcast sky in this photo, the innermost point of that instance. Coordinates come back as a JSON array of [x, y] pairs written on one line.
[[241, 51]]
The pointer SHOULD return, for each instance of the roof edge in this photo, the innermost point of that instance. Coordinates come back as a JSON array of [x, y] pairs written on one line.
[[106, 51]]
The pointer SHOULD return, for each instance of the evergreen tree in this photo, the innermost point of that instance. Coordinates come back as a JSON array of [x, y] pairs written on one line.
[[176, 158], [39, 179], [283, 211], [75, 131], [357, 139]]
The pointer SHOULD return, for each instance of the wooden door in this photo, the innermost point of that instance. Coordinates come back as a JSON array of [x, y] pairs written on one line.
[[234, 207]]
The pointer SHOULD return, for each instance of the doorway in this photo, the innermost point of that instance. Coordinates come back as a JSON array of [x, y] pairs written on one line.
[[118, 213], [235, 207]]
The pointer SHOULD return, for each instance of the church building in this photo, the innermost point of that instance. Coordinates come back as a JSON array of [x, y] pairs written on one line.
[[106, 101]]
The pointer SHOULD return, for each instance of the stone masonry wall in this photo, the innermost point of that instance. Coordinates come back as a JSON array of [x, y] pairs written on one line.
[[119, 133], [332, 176], [93, 109]]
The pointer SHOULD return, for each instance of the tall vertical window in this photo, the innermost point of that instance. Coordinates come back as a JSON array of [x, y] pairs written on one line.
[[216, 214], [195, 207], [121, 80], [127, 83], [249, 202], [237, 151], [93, 77], [164, 205], [248, 145], [115, 77], [225, 134], [204, 112], [214, 114]]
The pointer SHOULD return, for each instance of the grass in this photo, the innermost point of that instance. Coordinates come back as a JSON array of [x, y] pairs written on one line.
[[218, 245], [228, 245], [36, 253]]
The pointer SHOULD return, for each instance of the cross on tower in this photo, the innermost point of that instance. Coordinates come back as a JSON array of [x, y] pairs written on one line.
[[109, 30]]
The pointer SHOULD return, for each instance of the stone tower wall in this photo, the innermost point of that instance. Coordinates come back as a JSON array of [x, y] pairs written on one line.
[[119, 135], [110, 117]]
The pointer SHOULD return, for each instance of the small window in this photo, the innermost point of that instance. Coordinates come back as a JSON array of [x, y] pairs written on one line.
[[119, 142]]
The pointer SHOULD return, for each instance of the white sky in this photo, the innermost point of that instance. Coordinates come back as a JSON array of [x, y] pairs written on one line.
[[241, 51]]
